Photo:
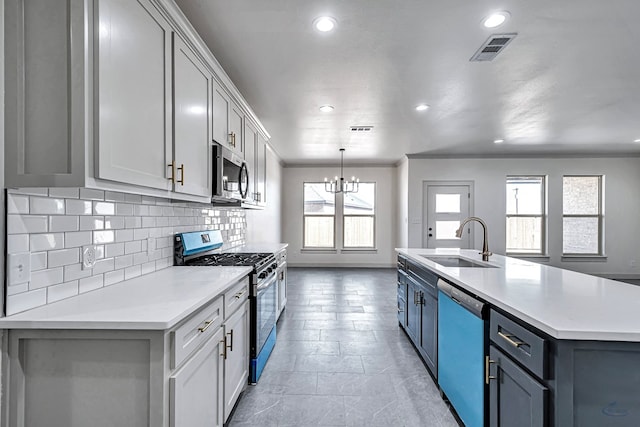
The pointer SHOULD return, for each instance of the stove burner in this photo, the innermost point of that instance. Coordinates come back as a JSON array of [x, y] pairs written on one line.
[[231, 259]]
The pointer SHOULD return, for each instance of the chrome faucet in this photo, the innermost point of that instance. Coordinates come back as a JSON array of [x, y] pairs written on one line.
[[485, 245]]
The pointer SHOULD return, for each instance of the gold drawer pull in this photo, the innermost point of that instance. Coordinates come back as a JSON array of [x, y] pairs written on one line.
[[239, 294], [224, 348], [206, 326], [507, 338], [487, 362]]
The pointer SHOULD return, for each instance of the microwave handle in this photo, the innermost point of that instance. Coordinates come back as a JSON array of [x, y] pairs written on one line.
[[244, 178], [218, 164]]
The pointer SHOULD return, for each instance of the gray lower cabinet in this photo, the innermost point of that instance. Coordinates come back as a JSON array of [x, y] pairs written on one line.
[[516, 398], [429, 330], [413, 310]]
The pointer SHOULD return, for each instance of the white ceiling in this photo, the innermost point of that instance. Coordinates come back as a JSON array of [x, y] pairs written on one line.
[[568, 83]]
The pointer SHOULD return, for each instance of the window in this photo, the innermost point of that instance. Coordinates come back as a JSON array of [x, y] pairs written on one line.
[[526, 215], [582, 215], [359, 217], [319, 216]]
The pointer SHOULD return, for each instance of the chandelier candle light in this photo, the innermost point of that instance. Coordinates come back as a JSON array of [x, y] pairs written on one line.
[[340, 185]]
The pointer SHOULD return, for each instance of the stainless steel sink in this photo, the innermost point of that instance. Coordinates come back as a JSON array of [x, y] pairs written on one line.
[[455, 261]]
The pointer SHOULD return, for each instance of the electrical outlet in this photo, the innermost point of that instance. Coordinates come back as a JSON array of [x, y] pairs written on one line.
[[19, 266], [88, 256], [151, 245], [633, 263]]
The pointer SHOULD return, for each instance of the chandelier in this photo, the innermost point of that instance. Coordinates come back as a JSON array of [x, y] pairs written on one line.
[[339, 185]]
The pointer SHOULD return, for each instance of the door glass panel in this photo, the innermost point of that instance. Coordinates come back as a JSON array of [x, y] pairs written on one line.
[[446, 229], [447, 203]]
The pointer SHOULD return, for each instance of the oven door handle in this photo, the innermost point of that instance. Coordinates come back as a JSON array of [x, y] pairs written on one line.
[[266, 283]]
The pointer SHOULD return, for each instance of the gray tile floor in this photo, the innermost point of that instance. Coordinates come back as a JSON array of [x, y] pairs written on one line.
[[341, 359]]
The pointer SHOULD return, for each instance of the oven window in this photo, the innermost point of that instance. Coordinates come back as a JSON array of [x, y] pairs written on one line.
[[266, 313]]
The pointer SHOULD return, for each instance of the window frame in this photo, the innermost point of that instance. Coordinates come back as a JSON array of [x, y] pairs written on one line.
[[374, 216], [599, 216], [304, 221], [543, 219]]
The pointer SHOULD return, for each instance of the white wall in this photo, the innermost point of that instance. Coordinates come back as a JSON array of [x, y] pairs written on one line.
[[264, 226], [402, 171], [386, 213], [622, 203]]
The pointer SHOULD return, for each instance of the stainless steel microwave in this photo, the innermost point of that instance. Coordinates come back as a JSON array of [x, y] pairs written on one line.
[[230, 176]]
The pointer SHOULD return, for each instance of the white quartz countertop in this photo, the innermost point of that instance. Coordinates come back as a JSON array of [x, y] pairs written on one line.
[[562, 303], [155, 301], [259, 248]]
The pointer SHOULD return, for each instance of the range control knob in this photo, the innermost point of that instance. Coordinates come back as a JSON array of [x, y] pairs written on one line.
[[262, 275]]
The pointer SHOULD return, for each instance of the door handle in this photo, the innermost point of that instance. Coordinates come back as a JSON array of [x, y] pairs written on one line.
[[488, 362], [181, 169]]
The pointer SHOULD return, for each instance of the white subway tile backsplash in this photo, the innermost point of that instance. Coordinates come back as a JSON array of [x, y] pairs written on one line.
[[20, 224], [46, 241], [34, 191], [91, 194], [113, 249], [17, 204], [75, 239], [124, 235], [104, 208], [91, 283], [54, 224], [42, 205], [92, 223], [113, 277], [78, 207], [26, 300], [114, 222], [64, 257], [63, 223], [65, 192], [123, 261], [44, 278], [133, 247], [62, 291], [103, 236], [124, 209], [131, 272], [38, 261]]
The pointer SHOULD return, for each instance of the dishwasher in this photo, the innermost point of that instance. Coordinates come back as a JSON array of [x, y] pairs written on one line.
[[462, 338]]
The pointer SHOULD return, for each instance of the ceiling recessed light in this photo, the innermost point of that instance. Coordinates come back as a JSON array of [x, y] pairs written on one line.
[[324, 24], [636, 140], [422, 107], [495, 19], [326, 108], [498, 141]]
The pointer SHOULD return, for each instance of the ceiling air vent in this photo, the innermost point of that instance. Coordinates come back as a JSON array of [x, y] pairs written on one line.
[[361, 128], [493, 46]]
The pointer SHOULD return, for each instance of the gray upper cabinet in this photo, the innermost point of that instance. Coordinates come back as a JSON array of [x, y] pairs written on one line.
[[133, 97], [261, 170], [97, 96], [191, 172], [250, 135], [45, 94]]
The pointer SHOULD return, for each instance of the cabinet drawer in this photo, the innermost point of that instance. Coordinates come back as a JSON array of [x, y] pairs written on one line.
[[236, 296], [423, 276], [189, 336], [520, 343], [402, 290]]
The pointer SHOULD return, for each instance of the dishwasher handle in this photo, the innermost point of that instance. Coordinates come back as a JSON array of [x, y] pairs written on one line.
[[466, 300]]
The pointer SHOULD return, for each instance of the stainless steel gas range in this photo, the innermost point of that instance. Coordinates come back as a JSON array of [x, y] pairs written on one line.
[[202, 248]]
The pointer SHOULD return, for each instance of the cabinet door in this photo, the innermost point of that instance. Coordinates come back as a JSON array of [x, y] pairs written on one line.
[[516, 398], [429, 331], [413, 311], [133, 94], [236, 129], [192, 118], [261, 169], [250, 159], [236, 365], [196, 390], [221, 107]]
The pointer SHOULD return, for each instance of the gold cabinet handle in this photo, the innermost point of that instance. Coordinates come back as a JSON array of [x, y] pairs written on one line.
[[239, 294], [230, 347], [487, 362], [507, 338], [206, 326], [232, 139], [224, 348], [181, 169], [172, 165]]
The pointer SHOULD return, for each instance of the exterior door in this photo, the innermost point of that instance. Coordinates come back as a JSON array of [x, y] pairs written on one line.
[[446, 206]]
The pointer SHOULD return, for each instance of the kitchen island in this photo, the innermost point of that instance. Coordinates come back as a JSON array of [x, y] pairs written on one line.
[[165, 349], [561, 347]]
